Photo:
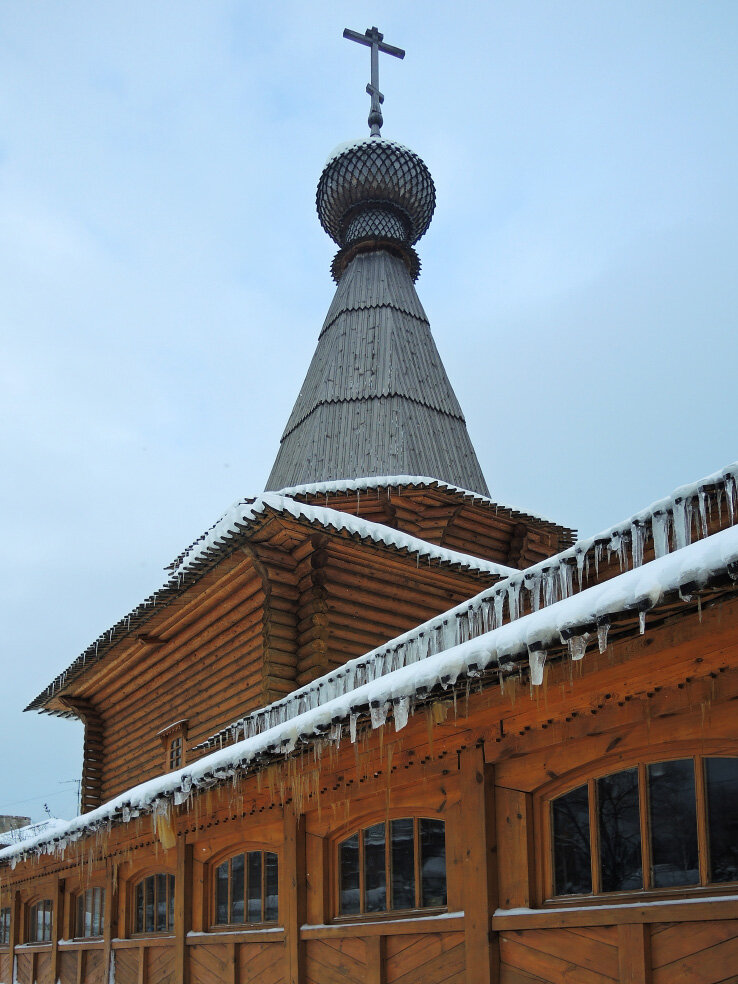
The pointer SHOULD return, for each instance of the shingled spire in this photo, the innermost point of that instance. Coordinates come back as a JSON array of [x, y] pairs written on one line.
[[376, 399]]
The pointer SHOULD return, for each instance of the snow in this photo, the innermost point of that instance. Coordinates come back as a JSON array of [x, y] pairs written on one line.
[[347, 145], [398, 481], [503, 648], [245, 511], [544, 584], [600, 907]]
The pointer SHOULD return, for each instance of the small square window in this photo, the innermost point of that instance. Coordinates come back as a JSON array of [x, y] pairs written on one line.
[[175, 753]]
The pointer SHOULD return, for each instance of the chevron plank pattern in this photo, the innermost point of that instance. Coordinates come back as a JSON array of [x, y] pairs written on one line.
[[5, 968], [262, 963], [430, 958], [43, 969], [160, 965], [559, 956], [335, 962], [25, 964], [93, 968], [126, 967], [210, 963], [695, 953]]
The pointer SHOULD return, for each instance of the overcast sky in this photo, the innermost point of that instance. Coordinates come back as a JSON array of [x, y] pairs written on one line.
[[164, 277]]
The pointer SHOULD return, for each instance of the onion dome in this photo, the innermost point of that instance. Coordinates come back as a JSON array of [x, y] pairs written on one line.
[[375, 194]]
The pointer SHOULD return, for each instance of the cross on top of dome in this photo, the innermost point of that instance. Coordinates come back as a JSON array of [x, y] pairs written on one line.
[[373, 39]]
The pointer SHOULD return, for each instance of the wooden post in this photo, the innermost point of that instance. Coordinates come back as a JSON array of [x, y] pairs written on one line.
[[110, 920], [479, 867], [16, 930], [317, 879], [182, 908], [292, 896], [56, 927], [634, 952], [142, 968], [375, 960]]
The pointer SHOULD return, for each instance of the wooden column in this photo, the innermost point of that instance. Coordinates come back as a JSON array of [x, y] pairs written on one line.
[[293, 890], [479, 868], [56, 927], [182, 908], [16, 929], [375, 960], [317, 865], [634, 952], [110, 920]]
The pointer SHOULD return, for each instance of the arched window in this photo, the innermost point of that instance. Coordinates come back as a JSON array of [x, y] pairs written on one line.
[[39, 921], [662, 825], [154, 904], [246, 889], [90, 911], [393, 865]]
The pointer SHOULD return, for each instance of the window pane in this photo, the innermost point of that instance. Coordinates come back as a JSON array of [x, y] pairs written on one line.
[[349, 867], [221, 894], [88, 912], [375, 888], [403, 864], [572, 859], [80, 915], [149, 918], [673, 816], [161, 903], [254, 886], [721, 776], [620, 832], [271, 903], [238, 887], [432, 862], [140, 907]]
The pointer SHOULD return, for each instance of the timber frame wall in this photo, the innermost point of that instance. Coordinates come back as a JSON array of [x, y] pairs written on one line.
[[486, 764]]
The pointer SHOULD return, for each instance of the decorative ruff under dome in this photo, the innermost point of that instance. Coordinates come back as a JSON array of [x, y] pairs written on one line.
[[375, 193]]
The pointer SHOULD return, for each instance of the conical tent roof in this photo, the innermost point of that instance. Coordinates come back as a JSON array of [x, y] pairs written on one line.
[[376, 399]]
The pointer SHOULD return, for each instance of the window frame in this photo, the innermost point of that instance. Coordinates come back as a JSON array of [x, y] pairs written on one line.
[[588, 776], [360, 826], [32, 920], [82, 894], [140, 879], [6, 924], [227, 856]]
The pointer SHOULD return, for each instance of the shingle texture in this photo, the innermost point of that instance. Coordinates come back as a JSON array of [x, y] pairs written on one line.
[[376, 399]]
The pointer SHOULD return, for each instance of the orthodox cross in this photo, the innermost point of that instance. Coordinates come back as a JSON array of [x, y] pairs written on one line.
[[374, 40]]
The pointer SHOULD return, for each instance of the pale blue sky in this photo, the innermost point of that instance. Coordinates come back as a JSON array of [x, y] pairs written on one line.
[[164, 275]]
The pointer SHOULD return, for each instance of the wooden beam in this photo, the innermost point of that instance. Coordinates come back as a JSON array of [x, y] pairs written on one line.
[[634, 952], [182, 909], [292, 894]]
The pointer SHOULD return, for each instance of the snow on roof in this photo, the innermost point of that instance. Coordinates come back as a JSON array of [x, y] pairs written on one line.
[[691, 567], [206, 550], [244, 512], [31, 831], [359, 142], [540, 585], [401, 481]]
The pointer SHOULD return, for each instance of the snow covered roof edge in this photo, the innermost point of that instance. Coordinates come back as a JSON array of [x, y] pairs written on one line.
[[695, 566]]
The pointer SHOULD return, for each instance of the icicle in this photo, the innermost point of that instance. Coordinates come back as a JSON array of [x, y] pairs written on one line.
[[353, 718], [702, 498], [401, 712], [660, 529], [549, 587], [335, 733], [729, 493], [577, 646], [636, 543], [565, 580], [513, 599], [581, 554], [534, 590], [536, 661], [602, 630], [378, 713], [499, 602], [616, 546], [642, 621], [598, 557], [486, 613], [681, 531]]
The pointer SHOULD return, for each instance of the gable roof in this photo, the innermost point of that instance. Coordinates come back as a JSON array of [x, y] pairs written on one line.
[[376, 399], [224, 536]]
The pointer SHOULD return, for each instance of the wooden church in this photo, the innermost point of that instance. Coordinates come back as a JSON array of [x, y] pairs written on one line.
[[376, 728]]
